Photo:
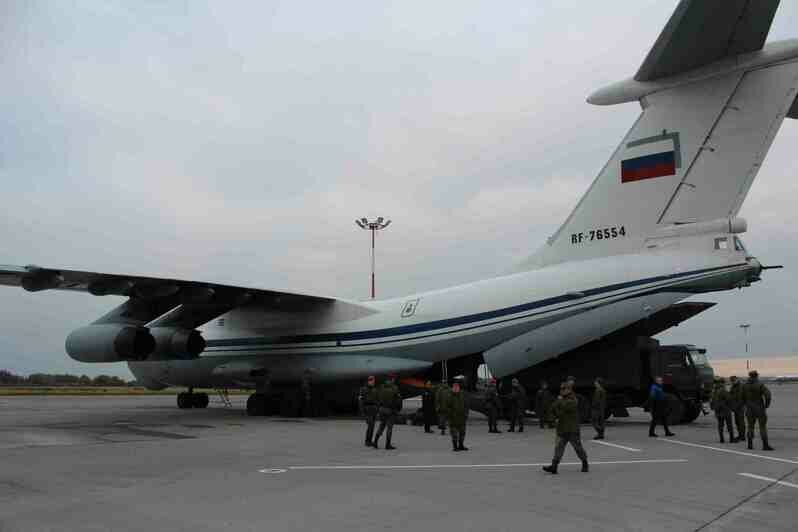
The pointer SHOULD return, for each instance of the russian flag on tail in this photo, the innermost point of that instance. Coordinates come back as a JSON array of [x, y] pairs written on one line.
[[648, 166]]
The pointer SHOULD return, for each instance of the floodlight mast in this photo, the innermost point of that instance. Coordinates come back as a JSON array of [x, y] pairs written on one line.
[[745, 327], [373, 226]]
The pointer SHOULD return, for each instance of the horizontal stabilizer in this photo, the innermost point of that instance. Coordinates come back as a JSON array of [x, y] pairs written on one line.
[[701, 32]]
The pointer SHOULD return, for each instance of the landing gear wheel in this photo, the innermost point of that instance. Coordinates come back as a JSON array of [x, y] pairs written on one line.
[[183, 400], [201, 400], [675, 409], [259, 404], [291, 404], [691, 412]]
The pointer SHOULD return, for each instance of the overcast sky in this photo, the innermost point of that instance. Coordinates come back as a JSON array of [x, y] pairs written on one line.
[[237, 145]]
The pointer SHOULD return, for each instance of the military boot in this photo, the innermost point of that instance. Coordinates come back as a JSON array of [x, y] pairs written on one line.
[[460, 444], [388, 446], [750, 443], [766, 445], [551, 469], [585, 467], [455, 447], [720, 432]]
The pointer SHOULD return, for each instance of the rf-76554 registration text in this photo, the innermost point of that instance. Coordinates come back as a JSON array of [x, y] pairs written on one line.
[[604, 233]]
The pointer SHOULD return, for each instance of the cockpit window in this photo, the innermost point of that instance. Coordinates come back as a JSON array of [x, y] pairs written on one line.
[[699, 359], [738, 245], [722, 243]]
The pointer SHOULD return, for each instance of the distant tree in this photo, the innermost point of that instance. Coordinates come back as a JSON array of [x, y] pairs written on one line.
[[84, 380], [40, 379], [7, 377]]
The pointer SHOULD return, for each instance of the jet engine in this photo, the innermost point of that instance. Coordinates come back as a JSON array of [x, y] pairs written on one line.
[[110, 343], [176, 344]]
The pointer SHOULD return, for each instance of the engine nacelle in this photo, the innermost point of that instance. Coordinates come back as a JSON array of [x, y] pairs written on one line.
[[176, 344], [110, 343]]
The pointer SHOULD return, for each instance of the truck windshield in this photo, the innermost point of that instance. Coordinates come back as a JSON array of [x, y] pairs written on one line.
[[699, 359]]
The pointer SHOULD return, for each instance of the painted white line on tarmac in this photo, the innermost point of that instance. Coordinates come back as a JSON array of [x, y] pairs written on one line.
[[470, 466], [771, 480], [601, 442], [741, 453]]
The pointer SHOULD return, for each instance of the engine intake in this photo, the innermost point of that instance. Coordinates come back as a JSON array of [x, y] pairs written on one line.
[[176, 344], [110, 343]]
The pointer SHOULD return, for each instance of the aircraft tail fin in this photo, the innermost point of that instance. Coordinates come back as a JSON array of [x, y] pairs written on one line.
[[691, 156]]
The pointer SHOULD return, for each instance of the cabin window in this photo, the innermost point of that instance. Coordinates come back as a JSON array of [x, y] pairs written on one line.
[[722, 243], [738, 245], [220, 322]]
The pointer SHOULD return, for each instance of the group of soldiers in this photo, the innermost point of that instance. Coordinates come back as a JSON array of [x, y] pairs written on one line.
[[747, 404], [447, 406]]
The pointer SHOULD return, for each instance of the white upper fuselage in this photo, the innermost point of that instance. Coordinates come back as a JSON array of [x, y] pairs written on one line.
[[589, 298]]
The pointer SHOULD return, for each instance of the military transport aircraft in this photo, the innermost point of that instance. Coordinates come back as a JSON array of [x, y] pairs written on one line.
[[658, 225]]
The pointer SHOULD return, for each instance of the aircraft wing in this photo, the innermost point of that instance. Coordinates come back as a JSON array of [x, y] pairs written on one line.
[[703, 31], [163, 302]]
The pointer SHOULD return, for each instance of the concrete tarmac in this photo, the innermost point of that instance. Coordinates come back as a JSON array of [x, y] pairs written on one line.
[[139, 463]]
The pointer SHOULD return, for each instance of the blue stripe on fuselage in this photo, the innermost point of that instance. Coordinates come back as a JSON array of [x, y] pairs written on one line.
[[449, 322]]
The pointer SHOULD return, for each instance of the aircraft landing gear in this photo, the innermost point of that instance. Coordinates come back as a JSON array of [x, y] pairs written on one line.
[[261, 404], [192, 400]]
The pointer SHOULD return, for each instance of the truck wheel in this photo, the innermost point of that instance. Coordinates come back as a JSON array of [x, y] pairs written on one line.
[[675, 409], [291, 404], [584, 408], [691, 412]]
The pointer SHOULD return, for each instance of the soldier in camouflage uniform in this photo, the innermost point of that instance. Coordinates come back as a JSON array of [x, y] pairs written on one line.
[[757, 400], [517, 406], [390, 403], [598, 406], [368, 405], [494, 405], [458, 416], [543, 400], [737, 407], [721, 404], [566, 410], [442, 393], [428, 406]]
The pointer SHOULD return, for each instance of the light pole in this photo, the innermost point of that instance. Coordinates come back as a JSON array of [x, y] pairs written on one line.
[[376, 225], [745, 327]]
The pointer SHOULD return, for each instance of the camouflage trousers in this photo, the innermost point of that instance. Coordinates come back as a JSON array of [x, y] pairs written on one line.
[[458, 434], [725, 418], [371, 419], [517, 417], [493, 417], [576, 442], [752, 419], [387, 419], [739, 421], [597, 419]]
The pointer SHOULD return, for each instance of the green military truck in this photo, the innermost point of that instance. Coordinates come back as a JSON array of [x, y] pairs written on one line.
[[628, 366]]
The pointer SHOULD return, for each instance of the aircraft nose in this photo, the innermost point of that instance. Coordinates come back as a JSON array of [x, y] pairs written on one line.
[[755, 273]]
